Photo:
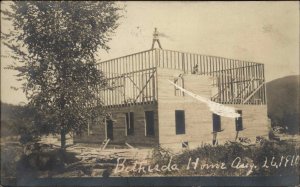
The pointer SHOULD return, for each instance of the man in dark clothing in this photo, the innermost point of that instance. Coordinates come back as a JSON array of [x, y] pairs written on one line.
[[155, 39]]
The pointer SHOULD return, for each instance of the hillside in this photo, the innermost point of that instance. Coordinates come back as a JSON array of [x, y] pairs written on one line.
[[8, 119], [15, 119], [283, 102]]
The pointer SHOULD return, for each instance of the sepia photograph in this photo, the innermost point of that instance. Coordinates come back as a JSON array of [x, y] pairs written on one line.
[[141, 93]]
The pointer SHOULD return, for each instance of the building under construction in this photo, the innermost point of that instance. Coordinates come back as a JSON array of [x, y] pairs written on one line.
[[145, 109]]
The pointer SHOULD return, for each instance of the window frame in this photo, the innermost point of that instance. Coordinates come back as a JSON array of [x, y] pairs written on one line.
[[129, 122], [216, 122], [180, 126], [239, 121], [146, 124], [180, 82]]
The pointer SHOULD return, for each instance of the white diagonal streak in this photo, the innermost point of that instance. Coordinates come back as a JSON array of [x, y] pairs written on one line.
[[216, 108]]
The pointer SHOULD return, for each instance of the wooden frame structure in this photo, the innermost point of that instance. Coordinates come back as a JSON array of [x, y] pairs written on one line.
[[132, 79]]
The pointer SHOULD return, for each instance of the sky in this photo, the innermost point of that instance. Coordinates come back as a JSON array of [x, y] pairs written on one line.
[[264, 32]]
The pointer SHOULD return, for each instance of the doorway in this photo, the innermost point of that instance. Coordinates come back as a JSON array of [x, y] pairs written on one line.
[[109, 129]]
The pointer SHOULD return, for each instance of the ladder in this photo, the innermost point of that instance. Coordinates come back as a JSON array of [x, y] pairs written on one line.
[[104, 144]]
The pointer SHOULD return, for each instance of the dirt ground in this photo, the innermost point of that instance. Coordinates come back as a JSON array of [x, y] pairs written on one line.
[[91, 160], [87, 160], [102, 162]]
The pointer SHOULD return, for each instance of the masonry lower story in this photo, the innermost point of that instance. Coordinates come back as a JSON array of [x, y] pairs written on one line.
[[135, 125]]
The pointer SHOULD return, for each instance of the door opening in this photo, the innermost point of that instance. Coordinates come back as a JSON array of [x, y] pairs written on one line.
[[109, 129]]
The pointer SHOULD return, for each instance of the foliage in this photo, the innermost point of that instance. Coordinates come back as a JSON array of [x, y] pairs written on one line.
[[17, 121], [43, 158], [54, 45], [283, 103], [275, 149], [8, 120], [10, 155], [226, 153]]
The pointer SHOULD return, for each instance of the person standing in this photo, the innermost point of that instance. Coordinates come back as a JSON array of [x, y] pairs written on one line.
[[156, 38]]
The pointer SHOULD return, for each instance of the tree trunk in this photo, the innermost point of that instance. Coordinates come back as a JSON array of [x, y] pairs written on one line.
[[62, 107], [62, 139]]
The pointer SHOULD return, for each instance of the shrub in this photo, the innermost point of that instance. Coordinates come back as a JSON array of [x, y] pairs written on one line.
[[227, 153], [10, 154]]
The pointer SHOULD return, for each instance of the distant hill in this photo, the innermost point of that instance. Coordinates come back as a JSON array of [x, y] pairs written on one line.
[[8, 119], [283, 102], [15, 119]]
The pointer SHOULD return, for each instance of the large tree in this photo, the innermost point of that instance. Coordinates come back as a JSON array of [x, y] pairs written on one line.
[[54, 45]]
